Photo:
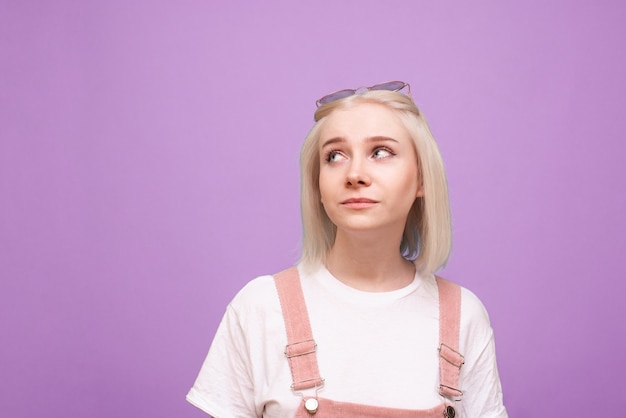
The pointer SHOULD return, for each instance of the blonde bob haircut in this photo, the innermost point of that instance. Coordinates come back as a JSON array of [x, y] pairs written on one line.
[[427, 237]]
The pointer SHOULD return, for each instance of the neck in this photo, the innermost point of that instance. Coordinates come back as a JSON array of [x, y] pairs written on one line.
[[369, 263]]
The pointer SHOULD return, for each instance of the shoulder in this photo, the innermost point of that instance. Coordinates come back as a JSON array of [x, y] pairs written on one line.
[[475, 332], [253, 318], [258, 299], [472, 308], [255, 295], [471, 305], [261, 285], [475, 327]]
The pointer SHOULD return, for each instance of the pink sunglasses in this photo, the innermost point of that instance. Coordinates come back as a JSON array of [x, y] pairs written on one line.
[[340, 94]]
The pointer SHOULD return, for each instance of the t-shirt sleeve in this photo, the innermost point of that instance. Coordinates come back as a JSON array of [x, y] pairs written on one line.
[[224, 386], [480, 382]]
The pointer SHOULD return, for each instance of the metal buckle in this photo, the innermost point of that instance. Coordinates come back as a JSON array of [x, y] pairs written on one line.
[[450, 392], [311, 403], [315, 379], [300, 348], [456, 359], [456, 362]]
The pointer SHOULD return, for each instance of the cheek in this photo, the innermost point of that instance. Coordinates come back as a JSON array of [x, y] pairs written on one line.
[[324, 187], [414, 183]]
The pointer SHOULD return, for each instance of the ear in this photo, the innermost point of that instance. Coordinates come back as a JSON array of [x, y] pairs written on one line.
[[420, 190], [420, 184]]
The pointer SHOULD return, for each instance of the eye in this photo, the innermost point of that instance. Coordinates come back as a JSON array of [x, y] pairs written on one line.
[[382, 152], [334, 156]]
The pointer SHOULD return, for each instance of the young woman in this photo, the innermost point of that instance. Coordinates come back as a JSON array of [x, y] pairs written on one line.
[[361, 327]]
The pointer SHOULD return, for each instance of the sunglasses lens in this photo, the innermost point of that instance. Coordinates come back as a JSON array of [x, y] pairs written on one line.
[[388, 86], [336, 96], [391, 86]]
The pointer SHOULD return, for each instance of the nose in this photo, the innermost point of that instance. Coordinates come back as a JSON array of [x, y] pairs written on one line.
[[356, 176]]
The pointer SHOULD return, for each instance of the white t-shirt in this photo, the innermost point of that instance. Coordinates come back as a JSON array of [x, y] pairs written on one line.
[[374, 348]]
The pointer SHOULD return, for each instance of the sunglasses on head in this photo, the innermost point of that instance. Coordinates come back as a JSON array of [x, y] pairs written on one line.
[[388, 86]]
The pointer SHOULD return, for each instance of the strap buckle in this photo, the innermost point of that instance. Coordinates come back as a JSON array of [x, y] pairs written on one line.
[[452, 393], [310, 403], [300, 348], [450, 355], [456, 360]]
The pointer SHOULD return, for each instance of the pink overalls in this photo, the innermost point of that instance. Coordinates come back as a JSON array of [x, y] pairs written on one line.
[[301, 354]]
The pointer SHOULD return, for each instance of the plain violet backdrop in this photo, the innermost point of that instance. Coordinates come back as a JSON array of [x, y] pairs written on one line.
[[149, 169]]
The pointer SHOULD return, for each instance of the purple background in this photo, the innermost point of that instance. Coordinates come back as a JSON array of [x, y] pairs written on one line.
[[149, 168]]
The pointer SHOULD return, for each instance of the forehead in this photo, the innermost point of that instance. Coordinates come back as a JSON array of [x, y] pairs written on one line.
[[363, 120]]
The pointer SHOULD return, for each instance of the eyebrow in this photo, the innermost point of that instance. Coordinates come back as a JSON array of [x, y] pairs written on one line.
[[374, 139]]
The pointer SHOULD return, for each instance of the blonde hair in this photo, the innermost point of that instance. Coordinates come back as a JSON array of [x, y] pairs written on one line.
[[427, 237]]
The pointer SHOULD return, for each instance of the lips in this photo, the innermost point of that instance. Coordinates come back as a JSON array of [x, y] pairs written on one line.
[[358, 203], [358, 200]]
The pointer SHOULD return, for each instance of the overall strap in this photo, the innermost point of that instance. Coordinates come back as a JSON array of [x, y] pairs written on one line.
[[450, 360], [300, 349]]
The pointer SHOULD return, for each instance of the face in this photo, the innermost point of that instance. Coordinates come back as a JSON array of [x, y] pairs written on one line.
[[369, 177]]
